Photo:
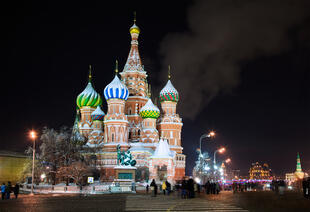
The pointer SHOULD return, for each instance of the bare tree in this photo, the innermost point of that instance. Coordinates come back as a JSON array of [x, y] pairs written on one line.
[[57, 150], [77, 171]]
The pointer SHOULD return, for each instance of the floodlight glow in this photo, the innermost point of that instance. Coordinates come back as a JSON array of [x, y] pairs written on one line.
[[197, 180], [207, 168], [211, 134], [222, 150], [33, 134], [43, 176]]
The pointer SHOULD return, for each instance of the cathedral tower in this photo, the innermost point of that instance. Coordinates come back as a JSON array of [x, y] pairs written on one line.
[[87, 101], [170, 124], [134, 77], [149, 112], [115, 121], [96, 136]]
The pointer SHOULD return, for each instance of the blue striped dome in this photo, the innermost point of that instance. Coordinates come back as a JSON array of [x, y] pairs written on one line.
[[116, 90]]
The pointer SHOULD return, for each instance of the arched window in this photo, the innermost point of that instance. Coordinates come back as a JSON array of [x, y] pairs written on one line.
[[129, 111], [138, 132], [112, 137]]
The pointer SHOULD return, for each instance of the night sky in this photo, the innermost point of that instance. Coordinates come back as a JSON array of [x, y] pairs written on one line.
[[241, 68]]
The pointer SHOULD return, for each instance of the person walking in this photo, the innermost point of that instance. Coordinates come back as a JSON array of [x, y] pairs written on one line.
[[217, 188], [153, 188], [3, 190], [164, 187], [147, 188], [168, 187], [16, 190], [183, 189], [8, 190]]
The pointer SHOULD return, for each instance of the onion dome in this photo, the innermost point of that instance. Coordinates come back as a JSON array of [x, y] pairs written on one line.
[[89, 97], [98, 114], [116, 89], [149, 110], [134, 28], [169, 93]]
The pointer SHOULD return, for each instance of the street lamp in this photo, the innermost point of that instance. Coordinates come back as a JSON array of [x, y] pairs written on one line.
[[221, 150], [33, 137], [210, 135], [228, 160]]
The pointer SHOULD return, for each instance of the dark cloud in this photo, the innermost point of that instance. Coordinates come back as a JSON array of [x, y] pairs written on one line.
[[206, 59]]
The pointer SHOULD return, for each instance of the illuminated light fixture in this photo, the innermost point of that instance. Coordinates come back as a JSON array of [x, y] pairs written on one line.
[[43, 176], [212, 134], [207, 168], [222, 150], [197, 180], [33, 134]]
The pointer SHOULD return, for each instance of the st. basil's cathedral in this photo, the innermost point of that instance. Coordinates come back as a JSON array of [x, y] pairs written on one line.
[[132, 121]]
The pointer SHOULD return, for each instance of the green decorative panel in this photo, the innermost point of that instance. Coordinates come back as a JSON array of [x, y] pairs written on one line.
[[124, 175]]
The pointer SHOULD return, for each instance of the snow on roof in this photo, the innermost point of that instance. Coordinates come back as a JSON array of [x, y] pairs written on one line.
[[162, 150]]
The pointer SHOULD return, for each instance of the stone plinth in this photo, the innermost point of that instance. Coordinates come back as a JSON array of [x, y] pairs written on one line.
[[125, 173]]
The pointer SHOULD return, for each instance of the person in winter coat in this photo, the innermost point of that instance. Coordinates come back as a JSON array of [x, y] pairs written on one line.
[[3, 190], [164, 187], [16, 190], [153, 188]]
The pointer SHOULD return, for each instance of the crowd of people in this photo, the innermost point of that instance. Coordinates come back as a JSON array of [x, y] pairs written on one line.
[[185, 188], [212, 187], [6, 190]]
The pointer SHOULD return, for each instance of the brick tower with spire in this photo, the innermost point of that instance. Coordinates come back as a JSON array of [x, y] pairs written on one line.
[[134, 77]]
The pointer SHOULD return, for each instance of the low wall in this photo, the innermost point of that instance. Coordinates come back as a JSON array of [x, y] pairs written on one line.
[[90, 189]]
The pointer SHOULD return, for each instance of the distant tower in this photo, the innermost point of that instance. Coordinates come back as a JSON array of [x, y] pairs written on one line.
[[96, 136], [134, 77], [298, 165], [170, 123], [149, 112], [224, 171], [87, 101], [299, 173], [115, 121]]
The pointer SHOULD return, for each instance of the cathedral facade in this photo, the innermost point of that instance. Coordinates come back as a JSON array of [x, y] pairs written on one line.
[[133, 121]]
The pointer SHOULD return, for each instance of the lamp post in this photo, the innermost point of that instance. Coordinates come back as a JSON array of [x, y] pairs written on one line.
[[210, 135], [33, 137], [220, 151], [202, 162]]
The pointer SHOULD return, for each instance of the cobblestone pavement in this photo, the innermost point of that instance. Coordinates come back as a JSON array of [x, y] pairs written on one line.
[[64, 202], [173, 203], [112, 202]]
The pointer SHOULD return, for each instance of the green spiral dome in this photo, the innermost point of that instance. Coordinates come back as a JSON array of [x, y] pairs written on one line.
[[89, 97]]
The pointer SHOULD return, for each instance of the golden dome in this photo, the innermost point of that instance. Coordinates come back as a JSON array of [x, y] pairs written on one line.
[[134, 29]]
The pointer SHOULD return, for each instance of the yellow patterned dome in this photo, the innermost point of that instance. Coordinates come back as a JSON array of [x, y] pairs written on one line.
[[149, 110]]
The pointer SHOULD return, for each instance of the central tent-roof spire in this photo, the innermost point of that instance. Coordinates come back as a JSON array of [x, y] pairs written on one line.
[[133, 63]]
